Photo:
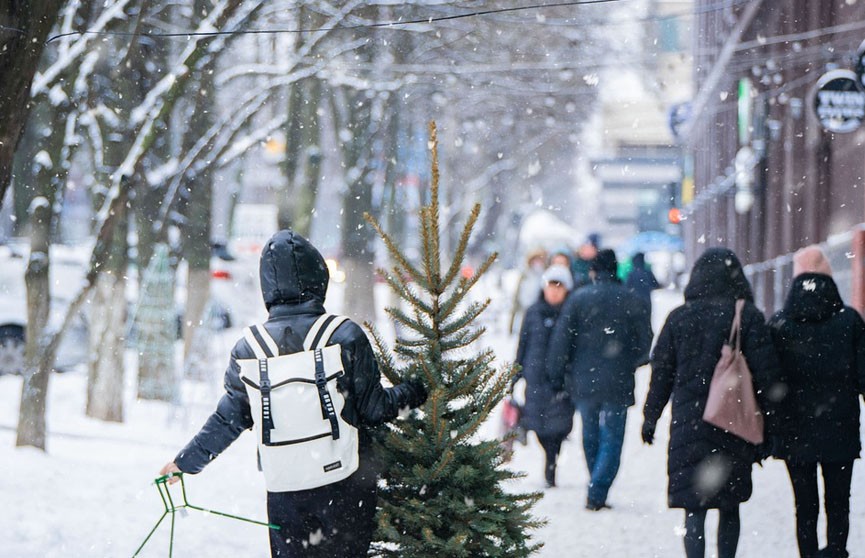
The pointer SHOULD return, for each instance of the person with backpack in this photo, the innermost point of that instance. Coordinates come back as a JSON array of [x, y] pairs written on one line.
[[708, 468], [821, 345], [309, 385]]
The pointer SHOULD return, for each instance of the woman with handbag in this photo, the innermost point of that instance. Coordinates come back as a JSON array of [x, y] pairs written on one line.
[[821, 346], [708, 467], [549, 414]]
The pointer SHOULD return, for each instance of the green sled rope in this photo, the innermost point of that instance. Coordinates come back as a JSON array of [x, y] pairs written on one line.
[[172, 508]]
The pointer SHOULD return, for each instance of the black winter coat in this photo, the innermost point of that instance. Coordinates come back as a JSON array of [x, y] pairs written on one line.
[[602, 335], [821, 346], [294, 281], [707, 467], [545, 412]]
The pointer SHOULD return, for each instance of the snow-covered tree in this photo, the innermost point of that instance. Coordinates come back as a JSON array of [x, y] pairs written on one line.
[[444, 490]]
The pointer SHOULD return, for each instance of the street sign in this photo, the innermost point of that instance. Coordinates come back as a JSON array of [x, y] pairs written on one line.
[[860, 64], [839, 102]]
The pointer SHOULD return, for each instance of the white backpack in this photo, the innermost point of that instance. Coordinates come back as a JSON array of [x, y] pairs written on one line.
[[303, 442]]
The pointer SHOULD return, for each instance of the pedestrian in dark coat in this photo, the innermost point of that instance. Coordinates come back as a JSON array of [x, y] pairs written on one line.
[[335, 519], [708, 468], [641, 281], [548, 413], [821, 346], [603, 334]]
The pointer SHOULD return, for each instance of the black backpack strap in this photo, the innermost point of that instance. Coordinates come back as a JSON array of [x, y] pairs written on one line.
[[260, 341], [264, 347], [328, 412], [266, 413], [318, 336]]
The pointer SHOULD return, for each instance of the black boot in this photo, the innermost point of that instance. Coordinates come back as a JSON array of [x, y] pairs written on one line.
[[550, 475]]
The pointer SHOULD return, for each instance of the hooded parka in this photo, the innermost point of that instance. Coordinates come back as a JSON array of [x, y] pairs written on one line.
[[544, 412], [294, 281], [821, 346], [707, 467]]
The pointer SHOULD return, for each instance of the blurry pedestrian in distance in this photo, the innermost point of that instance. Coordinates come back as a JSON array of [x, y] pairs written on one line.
[[561, 257], [708, 468], [548, 413], [821, 346], [641, 281], [602, 335], [528, 288], [586, 253]]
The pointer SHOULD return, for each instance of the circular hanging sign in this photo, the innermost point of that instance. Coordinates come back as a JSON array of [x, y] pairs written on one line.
[[860, 64], [839, 102]]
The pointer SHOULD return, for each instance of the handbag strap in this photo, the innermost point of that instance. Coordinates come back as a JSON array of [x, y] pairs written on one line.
[[735, 339]]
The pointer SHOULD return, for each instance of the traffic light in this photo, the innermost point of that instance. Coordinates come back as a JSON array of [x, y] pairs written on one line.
[[674, 215]]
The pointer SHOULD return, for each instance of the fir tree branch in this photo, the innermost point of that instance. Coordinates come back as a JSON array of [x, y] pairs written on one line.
[[393, 250], [465, 285], [421, 328], [401, 287], [386, 364], [466, 318], [462, 245], [435, 248]]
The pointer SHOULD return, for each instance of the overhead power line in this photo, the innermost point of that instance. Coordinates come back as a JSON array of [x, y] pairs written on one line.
[[393, 23]]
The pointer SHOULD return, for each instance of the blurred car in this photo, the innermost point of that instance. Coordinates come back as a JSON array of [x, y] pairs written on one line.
[[68, 267]]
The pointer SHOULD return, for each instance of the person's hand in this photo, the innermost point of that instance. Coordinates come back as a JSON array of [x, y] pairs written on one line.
[[417, 392], [518, 392], [169, 468], [648, 432]]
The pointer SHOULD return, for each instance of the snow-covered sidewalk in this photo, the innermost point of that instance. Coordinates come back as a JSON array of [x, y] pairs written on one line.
[[92, 495]]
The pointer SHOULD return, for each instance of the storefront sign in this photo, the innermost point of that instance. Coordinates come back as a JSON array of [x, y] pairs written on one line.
[[839, 101]]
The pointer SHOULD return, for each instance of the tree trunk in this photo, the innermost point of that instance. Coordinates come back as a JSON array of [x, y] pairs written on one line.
[[107, 325], [196, 336], [24, 26], [108, 333], [37, 370], [304, 199], [302, 166], [196, 233]]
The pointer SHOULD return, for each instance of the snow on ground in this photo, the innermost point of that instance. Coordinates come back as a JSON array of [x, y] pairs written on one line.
[[92, 495]]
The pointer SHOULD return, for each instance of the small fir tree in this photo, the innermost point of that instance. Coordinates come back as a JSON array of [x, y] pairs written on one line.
[[444, 489]]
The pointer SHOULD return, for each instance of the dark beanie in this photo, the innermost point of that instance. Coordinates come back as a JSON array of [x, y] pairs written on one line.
[[605, 262]]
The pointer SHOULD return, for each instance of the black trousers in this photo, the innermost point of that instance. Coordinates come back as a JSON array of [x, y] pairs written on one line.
[[836, 482], [695, 533], [552, 446], [333, 521]]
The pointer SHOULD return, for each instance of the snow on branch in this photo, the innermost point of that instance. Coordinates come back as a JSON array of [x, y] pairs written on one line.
[[44, 81]]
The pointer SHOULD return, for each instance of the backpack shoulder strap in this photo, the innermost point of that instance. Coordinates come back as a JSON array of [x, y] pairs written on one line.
[[260, 341], [320, 332]]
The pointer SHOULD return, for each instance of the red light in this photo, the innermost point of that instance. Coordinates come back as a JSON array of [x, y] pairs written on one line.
[[220, 274], [675, 215]]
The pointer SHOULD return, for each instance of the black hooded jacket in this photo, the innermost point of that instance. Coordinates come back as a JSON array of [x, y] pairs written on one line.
[[683, 361], [294, 281], [602, 336], [549, 415], [821, 346]]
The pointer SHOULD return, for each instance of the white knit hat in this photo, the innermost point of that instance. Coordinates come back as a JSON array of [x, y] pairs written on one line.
[[561, 274]]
